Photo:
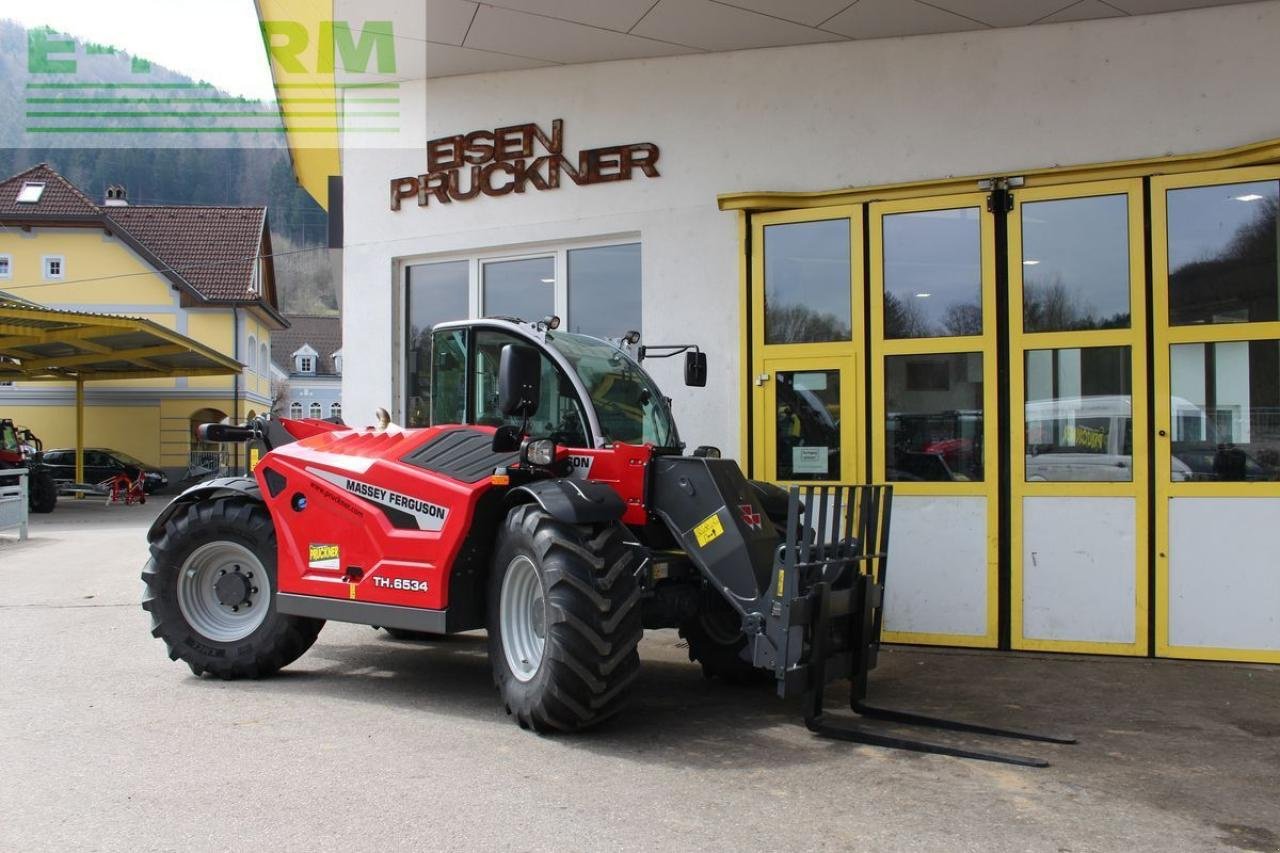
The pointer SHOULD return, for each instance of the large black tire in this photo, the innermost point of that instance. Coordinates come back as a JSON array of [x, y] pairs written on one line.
[[590, 617], [717, 642], [276, 642], [42, 496]]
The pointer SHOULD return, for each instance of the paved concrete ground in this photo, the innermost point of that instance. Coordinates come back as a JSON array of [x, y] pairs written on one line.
[[372, 744]]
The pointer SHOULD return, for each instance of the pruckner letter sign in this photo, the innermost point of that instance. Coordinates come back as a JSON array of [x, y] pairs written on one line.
[[516, 159]]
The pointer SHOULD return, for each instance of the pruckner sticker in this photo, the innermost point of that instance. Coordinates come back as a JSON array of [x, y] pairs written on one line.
[[426, 515], [323, 556]]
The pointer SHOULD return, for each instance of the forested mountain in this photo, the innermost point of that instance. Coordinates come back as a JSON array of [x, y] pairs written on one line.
[[162, 167]]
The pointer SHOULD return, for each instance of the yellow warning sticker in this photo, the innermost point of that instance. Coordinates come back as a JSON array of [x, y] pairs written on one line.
[[323, 556], [708, 530], [351, 590], [253, 458], [782, 575]]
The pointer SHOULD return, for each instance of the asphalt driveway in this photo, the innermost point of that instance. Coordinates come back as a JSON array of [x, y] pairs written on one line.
[[369, 743]]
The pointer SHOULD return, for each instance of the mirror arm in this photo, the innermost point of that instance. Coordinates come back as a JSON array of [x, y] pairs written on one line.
[[668, 350]]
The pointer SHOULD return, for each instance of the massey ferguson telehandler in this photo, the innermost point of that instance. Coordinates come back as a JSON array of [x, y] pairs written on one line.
[[550, 503], [19, 448]]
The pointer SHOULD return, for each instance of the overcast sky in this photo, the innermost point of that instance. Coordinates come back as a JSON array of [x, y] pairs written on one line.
[[213, 40]]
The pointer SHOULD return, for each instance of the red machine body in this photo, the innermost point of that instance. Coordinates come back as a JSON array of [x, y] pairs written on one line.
[[350, 524]]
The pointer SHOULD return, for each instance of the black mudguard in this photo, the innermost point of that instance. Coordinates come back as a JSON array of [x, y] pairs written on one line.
[[572, 501], [222, 487]]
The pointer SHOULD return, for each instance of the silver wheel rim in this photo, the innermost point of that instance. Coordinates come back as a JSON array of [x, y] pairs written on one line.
[[223, 591], [522, 618]]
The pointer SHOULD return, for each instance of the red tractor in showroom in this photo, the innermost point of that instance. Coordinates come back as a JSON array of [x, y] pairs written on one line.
[[552, 504]]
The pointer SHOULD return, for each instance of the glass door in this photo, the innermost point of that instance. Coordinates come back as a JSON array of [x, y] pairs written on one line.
[[1217, 368], [933, 399], [807, 333], [1078, 419]]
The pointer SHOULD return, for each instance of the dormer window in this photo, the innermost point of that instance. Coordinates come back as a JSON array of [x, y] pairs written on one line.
[[337, 362], [31, 192], [304, 360]]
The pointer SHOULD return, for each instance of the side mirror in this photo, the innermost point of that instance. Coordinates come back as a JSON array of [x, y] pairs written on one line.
[[695, 369], [507, 439], [519, 381]]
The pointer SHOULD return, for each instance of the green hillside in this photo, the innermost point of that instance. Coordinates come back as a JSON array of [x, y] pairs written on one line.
[[162, 167]]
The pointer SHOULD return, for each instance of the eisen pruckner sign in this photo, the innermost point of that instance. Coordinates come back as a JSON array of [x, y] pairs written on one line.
[[516, 159]]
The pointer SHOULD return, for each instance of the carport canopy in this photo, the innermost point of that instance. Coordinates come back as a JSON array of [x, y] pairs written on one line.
[[39, 344]]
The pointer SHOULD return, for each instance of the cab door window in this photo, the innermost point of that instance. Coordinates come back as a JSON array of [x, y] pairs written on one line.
[[559, 416], [447, 395]]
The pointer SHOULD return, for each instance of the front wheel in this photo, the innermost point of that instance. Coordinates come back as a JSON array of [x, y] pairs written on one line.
[[564, 620], [210, 587]]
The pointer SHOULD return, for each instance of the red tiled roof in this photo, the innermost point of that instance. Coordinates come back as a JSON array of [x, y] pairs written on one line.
[[213, 248], [209, 251], [60, 198]]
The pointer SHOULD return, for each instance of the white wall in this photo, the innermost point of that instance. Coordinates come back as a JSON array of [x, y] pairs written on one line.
[[803, 118]]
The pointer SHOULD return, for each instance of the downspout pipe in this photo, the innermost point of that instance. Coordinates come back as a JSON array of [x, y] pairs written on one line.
[[235, 386]]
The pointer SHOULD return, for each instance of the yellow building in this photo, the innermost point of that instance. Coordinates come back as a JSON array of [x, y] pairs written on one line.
[[205, 272]]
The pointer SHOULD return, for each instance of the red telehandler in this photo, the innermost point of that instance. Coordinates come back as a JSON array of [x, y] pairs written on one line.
[[19, 448], [551, 503]]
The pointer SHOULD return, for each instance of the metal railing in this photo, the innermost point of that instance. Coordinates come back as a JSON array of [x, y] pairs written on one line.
[[14, 504]]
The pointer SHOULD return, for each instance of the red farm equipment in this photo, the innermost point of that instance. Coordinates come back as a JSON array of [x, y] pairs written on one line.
[[552, 504]]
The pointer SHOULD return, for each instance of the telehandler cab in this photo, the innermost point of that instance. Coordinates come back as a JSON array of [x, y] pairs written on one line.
[[550, 503]]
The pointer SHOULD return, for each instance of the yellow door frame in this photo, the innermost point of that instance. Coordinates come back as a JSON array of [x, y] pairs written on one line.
[[766, 358], [1020, 343], [882, 348], [850, 413], [1167, 336]]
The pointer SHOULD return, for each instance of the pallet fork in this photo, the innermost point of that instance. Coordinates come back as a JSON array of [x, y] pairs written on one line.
[[829, 580]]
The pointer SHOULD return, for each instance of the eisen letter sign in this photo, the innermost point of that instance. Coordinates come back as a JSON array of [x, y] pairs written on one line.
[[514, 159]]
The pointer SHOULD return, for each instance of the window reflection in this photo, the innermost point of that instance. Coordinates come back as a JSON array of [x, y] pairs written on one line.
[[932, 274], [1222, 254], [524, 289], [808, 434], [806, 282], [1075, 264], [604, 290], [933, 422], [1225, 411], [1079, 415], [436, 293]]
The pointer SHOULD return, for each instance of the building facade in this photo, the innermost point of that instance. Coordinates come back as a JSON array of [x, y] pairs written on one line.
[[1027, 273], [306, 361], [204, 272]]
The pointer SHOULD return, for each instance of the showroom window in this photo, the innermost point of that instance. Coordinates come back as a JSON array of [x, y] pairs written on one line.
[[593, 287]]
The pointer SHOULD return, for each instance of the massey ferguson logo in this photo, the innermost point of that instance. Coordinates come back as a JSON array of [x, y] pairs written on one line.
[[580, 466], [427, 515], [750, 517]]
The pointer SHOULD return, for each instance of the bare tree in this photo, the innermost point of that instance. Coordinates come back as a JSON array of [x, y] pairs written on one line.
[[964, 318], [279, 393], [904, 319], [799, 324]]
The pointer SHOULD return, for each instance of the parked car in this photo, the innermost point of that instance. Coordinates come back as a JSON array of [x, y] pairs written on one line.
[[102, 464]]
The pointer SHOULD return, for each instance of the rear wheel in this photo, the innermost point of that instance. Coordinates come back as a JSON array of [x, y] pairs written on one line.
[[564, 620], [210, 587], [43, 495]]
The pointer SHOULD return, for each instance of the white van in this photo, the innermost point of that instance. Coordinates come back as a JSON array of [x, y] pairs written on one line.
[[1087, 439]]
